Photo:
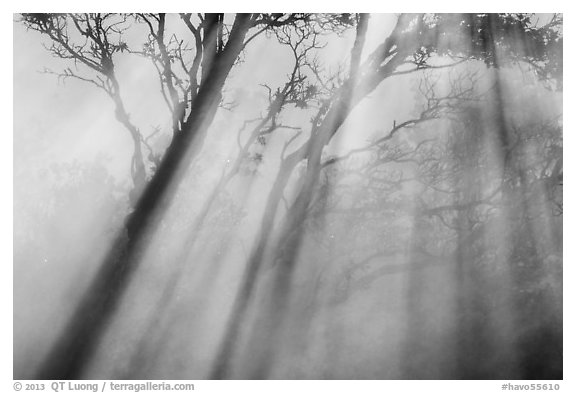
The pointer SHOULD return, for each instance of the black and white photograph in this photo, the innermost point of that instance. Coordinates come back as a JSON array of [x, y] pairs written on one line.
[[287, 196]]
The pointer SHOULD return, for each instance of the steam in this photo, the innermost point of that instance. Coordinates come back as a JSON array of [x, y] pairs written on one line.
[[435, 252]]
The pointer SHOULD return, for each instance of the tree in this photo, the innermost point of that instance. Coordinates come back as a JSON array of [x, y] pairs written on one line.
[[411, 44], [215, 55]]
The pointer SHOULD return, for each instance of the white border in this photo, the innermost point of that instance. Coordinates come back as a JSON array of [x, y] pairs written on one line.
[[6, 165]]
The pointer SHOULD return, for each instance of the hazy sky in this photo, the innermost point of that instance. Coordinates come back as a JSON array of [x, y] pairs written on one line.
[[65, 120]]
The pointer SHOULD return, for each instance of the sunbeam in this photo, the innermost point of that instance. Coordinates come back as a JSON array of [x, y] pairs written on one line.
[[288, 196]]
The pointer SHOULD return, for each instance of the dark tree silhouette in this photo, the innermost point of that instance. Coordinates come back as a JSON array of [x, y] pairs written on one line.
[[215, 57], [411, 44]]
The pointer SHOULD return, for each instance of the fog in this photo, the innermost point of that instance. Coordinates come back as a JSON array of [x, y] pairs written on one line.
[[387, 219]]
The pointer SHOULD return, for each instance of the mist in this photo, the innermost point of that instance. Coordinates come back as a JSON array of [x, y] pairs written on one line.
[[288, 196]]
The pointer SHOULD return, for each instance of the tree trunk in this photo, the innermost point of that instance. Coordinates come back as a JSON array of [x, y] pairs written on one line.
[[226, 351]]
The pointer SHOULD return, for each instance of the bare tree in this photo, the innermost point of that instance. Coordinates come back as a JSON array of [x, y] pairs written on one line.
[[217, 48], [409, 48]]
